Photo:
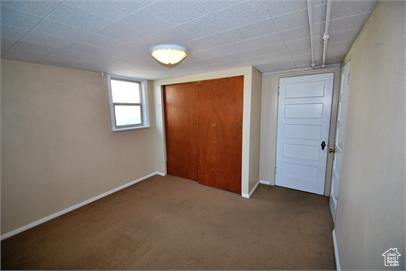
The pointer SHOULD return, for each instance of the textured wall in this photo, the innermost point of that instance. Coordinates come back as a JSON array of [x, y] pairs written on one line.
[[58, 147], [371, 210]]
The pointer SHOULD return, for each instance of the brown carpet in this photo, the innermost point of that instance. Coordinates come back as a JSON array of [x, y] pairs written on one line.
[[173, 223]]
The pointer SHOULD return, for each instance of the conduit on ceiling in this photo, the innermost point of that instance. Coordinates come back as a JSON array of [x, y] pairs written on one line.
[[325, 36]]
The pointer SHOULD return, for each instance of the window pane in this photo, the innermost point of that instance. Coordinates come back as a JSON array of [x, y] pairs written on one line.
[[125, 92], [127, 115]]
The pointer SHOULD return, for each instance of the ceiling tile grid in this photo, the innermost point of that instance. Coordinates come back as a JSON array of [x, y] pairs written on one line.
[[38, 7], [115, 35], [75, 17], [104, 8]]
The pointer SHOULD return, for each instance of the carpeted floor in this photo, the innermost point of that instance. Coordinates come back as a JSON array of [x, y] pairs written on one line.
[[173, 223]]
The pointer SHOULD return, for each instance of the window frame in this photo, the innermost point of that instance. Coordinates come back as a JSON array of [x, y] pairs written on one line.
[[143, 104]]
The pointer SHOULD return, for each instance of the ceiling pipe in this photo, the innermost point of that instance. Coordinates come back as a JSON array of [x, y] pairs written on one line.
[[310, 18], [326, 35]]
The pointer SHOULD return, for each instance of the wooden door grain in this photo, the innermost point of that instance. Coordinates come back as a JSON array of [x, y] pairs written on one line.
[[180, 104], [220, 104], [203, 122]]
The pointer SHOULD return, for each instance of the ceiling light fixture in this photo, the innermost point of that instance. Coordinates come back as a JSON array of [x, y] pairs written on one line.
[[168, 54]]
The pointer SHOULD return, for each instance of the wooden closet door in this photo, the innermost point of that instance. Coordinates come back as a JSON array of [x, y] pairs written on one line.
[[220, 105], [180, 102]]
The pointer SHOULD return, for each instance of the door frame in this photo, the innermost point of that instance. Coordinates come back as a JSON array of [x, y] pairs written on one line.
[[332, 202], [249, 181], [336, 70]]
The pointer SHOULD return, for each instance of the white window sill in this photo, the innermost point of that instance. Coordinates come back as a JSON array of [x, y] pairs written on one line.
[[130, 128]]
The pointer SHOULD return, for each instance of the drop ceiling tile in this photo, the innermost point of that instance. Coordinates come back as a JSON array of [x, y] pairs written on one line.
[[163, 20], [268, 42], [57, 30], [298, 19], [6, 44], [303, 63], [114, 35], [172, 35], [135, 27], [299, 45], [344, 35], [9, 35], [75, 17], [235, 35], [352, 22], [99, 41], [86, 51], [300, 52], [216, 62], [260, 57], [233, 17], [306, 57], [83, 56], [113, 10], [182, 11], [338, 49], [344, 8], [28, 52], [273, 56], [39, 8], [291, 21], [334, 60], [46, 41], [18, 19], [282, 7], [64, 60], [298, 33]]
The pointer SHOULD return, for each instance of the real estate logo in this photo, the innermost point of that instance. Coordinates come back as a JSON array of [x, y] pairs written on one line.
[[391, 257]]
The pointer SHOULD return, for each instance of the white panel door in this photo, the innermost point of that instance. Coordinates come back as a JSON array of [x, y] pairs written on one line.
[[303, 129], [339, 143]]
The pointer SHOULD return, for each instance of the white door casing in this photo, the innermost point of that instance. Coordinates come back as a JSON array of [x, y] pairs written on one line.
[[304, 111], [340, 136]]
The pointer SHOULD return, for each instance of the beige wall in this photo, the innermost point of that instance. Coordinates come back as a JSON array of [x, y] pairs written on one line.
[[57, 145], [255, 128], [371, 210], [250, 116], [269, 118]]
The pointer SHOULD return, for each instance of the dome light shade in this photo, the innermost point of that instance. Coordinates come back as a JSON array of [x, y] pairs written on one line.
[[168, 54]]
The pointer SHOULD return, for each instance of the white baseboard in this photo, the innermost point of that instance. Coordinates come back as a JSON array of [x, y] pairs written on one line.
[[76, 206], [247, 196], [265, 182], [336, 254], [160, 173]]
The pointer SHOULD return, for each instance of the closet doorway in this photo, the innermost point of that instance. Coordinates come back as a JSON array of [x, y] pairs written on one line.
[[203, 125]]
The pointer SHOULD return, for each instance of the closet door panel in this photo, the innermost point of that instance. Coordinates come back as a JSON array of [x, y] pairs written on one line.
[[181, 129], [220, 104]]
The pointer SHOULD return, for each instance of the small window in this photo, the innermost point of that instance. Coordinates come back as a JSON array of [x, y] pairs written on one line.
[[128, 104]]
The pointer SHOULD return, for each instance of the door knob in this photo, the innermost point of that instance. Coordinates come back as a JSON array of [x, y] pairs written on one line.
[[323, 145]]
